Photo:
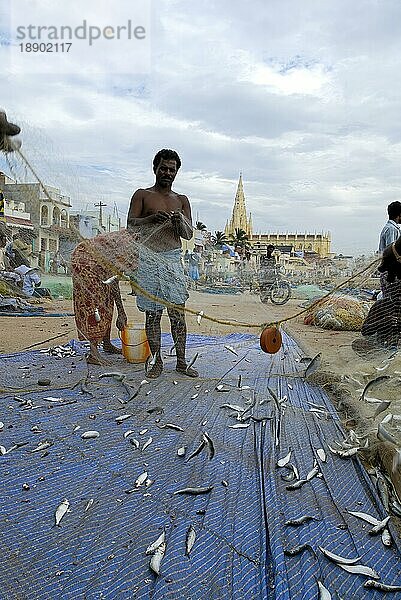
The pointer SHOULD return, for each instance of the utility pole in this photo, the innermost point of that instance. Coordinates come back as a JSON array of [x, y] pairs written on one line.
[[100, 205]]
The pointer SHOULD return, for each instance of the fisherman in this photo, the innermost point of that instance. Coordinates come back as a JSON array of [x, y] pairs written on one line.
[[162, 217], [389, 234]]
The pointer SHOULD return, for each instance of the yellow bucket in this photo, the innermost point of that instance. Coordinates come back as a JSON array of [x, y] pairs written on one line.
[[135, 344]]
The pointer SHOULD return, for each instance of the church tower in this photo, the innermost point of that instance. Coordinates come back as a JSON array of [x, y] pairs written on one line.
[[239, 219]]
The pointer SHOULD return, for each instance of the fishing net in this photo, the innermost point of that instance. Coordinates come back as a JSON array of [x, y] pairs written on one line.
[[345, 318]]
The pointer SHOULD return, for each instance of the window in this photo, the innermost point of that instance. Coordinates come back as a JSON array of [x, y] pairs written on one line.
[[64, 218], [43, 244], [44, 215], [56, 216], [53, 245]]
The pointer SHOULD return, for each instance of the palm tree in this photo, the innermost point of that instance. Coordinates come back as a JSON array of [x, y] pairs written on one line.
[[240, 238], [200, 226], [219, 238]]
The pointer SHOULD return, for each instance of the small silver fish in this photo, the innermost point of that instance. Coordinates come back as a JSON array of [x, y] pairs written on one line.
[[209, 443], [300, 521], [231, 349], [170, 426], [122, 418], [191, 362], [154, 545], [143, 431], [141, 479], [88, 435], [297, 484], [181, 451], [194, 491], [42, 446], [298, 549], [235, 407], [386, 537], [365, 517], [135, 443], [239, 426], [194, 396], [312, 473], [197, 451], [117, 375], [381, 408], [60, 512], [221, 388], [146, 444], [383, 587], [155, 561], [360, 570], [128, 433], [199, 317], [339, 559], [379, 527], [89, 504], [373, 383], [190, 540], [313, 365], [321, 454], [283, 461], [324, 593]]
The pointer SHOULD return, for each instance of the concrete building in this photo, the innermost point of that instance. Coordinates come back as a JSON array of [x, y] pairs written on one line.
[[49, 217], [300, 244]]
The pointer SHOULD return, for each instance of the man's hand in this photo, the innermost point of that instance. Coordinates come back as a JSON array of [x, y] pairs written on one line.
[[121, 320], [161, 216]]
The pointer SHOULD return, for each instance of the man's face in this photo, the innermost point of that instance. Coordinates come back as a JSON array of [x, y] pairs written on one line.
[[166, 172]]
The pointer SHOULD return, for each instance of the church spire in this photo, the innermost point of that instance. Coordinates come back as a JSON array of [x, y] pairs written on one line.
[[238, 218]]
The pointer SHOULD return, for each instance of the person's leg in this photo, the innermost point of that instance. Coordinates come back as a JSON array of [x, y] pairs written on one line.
[[179, 334], [153, 333], [94, 357], [108, 346]]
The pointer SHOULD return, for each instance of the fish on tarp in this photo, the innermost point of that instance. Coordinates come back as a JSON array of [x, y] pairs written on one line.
[[360, 570], [365, 517], [60, 512], [324, 593], [170, 426], [141, 479], [42, 446], [339, 559], [197, 451], [90, 435], [373, 383], [314, 365], [154, 545], [192, 491], [190, 540], [146, 444], [155, 561], [300, 521], [382, 587], [381, 408], [285, 460]]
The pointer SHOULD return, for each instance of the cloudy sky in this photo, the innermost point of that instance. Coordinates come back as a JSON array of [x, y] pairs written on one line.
[[302, 96]]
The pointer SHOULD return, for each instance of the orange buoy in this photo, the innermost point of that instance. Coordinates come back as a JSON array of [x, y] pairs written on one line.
[[270, 340]]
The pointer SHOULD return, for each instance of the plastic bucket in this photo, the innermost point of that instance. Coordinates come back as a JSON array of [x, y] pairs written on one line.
[[135, 344]]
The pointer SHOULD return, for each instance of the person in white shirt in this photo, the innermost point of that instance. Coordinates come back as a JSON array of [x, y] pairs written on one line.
[[388, 235]]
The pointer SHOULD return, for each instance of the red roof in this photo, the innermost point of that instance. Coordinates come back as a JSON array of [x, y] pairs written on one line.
[[18, 222]]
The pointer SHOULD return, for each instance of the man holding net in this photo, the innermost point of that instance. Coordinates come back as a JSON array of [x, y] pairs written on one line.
[[162, 217]]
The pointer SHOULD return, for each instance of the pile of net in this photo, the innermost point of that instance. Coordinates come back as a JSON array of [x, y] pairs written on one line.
[[341, 313]]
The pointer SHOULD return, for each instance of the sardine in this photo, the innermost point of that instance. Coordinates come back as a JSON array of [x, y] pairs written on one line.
[[146, 444], [117, 375], [297, 484], [135, 443], [199, 317], [89, 504], [239, 426], [194, 491], [235, 407], [365, 517], [128, 433], [181, 451], [231, 349], [154, 545], [386, 537], [379, 527], [88, 435], [324, 593], [209, 443], [143, 431], [373, 383], [381, 408], [313, 365], [60, 512], [300, 521], [339, 559], [141, 479], [191, 362], [221, 388], [157, 558], [384, 435], [321, 454], [122, 418], [41, 447], [360, 570], [197, 451], [312, 473], [170, 426], [382, 587], [194, 396], [283, 461], [190, 540], [298, 549]]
